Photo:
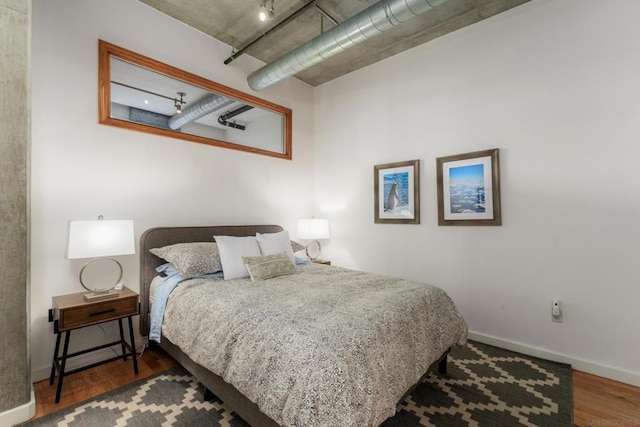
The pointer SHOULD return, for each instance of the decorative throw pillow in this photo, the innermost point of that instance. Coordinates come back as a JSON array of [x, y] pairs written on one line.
[[269, 266], [275, 243], [297, 247], [191, 259], [232, 249]]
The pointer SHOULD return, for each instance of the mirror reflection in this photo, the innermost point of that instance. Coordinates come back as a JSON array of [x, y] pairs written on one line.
[[142, 94]]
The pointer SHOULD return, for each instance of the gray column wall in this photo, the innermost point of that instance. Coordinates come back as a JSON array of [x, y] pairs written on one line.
[[15, 375]]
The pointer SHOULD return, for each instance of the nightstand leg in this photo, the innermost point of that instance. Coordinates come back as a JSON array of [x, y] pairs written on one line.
[[62, 365], [124, 350], [133, 347], [55, 357]]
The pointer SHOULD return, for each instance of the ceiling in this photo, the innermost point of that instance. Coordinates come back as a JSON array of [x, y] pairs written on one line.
[[235, 23]]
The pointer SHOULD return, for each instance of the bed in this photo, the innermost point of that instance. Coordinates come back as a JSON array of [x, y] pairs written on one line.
[[333, 359]]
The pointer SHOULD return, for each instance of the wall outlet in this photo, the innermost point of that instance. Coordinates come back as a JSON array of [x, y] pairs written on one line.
[[556, 311]]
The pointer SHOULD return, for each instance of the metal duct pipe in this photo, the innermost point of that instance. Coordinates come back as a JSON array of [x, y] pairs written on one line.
[[205, 106], [223, 119], [236, 112], [372, 21], [231, 124]]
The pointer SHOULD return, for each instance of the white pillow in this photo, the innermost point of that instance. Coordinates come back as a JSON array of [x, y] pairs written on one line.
[[275, 243], [232, 249]]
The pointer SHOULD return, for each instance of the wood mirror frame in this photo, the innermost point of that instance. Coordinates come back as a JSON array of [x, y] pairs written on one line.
[[107, 51]]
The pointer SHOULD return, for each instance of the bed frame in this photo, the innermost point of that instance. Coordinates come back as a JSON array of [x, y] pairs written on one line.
[[163, 236]]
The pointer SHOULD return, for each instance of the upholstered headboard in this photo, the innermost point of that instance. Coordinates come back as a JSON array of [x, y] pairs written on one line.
[[163, 236]]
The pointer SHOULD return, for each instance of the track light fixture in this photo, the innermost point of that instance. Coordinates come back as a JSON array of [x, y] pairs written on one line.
[[265, 13], [178, 102]]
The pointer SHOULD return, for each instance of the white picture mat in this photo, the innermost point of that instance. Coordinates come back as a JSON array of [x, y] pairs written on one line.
[[409, 212], [488, 188]]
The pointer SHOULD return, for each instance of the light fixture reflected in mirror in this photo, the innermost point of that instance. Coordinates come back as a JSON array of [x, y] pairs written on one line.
[[179, 102], [176, 102]]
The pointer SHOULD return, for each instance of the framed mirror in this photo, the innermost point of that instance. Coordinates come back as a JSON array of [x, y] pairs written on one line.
[[139, 93]]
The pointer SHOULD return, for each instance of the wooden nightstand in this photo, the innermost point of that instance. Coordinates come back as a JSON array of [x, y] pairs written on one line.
[[322, 261], [71, 312]]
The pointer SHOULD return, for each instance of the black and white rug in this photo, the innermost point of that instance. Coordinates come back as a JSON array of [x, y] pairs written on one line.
[[484, 386], [489, 386]]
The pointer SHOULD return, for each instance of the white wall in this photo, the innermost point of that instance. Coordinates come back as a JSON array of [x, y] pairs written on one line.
[[555, 85], [81, 169]]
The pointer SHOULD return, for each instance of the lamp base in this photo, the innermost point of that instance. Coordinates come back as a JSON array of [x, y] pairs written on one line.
[[313, 249], [100, 295]]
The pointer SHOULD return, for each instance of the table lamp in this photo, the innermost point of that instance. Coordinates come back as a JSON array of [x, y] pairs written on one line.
[[99, 239], [313, 229]]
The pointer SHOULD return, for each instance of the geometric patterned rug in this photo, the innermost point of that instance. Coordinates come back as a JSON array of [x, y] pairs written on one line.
[[483, 386], [489, 386]]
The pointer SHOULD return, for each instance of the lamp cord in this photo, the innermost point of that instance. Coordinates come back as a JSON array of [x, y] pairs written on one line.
[[138, 351]]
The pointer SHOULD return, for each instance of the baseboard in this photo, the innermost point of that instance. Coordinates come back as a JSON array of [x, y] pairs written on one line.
[[44, 372], [610, 372], [40, 374], [19, 414]]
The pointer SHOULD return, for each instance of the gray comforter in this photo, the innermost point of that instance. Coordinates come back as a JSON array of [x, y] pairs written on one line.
[[325, 347]]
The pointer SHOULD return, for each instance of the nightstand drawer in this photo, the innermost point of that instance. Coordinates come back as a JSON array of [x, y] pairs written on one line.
[[96, 313], [71, 311]]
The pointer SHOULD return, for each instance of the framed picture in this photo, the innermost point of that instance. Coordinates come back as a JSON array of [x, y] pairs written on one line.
[[469, 189], [397, 192]]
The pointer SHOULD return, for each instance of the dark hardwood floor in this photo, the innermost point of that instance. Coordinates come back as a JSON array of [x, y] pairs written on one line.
[[596, 401], [98, 380]]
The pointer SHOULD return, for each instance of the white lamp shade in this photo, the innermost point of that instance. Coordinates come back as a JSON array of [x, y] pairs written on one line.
[[313, 229], [100, 238]]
